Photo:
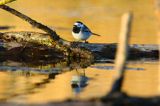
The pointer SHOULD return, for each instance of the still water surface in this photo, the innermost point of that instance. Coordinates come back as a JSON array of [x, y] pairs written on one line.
[[42, 84], [21, 83]]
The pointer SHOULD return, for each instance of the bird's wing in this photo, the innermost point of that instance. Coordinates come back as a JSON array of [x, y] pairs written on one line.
[[86, 29]]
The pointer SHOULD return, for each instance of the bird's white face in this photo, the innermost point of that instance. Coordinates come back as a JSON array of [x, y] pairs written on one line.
[[78, 24]]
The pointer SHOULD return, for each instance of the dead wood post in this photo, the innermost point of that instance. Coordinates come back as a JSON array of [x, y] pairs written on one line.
[[157, 11], [122, 53]]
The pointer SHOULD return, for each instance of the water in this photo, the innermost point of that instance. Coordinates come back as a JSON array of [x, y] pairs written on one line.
[[44, 82], [47, 84]]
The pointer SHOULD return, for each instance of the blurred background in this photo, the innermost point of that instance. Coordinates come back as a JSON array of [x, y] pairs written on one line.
[[101, 16]]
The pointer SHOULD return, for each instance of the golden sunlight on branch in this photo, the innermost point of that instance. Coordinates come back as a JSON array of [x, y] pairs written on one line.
[[2, 2]]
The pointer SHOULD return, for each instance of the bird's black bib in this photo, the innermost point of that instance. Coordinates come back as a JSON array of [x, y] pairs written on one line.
[[76, 29]]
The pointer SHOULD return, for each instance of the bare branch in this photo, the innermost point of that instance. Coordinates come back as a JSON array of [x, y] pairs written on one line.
[[31, 21], [2, 2]]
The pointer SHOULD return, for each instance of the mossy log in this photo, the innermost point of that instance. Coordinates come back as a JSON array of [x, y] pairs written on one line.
[[34, 44]]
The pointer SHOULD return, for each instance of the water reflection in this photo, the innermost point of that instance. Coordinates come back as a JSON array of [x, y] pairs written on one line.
[[62, 81], [26, 78], [112, 67], [6, 27], [17, 86], [79, 81]]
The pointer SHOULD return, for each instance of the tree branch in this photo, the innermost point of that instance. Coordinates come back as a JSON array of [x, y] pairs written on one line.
[[36, 24], [2, 2], [31, 21]]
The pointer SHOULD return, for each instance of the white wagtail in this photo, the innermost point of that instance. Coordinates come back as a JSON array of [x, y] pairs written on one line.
[[81, 32]]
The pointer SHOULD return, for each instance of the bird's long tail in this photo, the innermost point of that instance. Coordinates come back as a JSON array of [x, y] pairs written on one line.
[[95, 34]]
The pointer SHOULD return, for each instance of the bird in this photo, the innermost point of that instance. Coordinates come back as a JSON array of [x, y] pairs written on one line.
[[81, 32]]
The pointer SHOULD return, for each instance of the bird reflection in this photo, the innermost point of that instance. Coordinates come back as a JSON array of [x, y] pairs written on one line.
[[79, 81]]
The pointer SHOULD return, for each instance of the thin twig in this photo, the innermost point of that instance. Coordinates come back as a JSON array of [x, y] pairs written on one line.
[[36, 24], [2, 2], [31, 21]]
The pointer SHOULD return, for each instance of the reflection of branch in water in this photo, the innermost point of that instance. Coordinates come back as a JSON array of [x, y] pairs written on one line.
[[30, 90], [51, 70], [112, 67], [6, 27], [46, 81], [45, 67]]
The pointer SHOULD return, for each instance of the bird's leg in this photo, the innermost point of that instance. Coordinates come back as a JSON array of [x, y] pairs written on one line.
[[84, 72], [77, 72]]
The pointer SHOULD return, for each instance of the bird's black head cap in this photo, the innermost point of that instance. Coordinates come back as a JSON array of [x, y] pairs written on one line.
[[79, 22]]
